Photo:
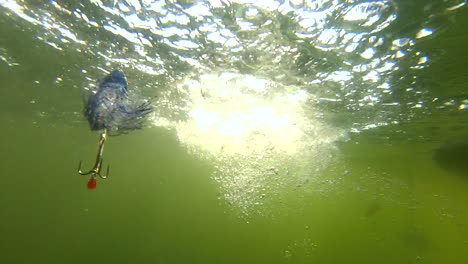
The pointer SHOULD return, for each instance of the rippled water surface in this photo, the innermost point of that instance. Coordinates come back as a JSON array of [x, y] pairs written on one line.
[[324, 131]]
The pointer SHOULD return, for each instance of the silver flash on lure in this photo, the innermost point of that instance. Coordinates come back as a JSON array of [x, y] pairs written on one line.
[[110, 110]]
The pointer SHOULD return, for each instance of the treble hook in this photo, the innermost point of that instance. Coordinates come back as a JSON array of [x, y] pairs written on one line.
[[96, 170]]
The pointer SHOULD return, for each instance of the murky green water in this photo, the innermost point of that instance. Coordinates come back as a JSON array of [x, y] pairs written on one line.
[[283, 132]]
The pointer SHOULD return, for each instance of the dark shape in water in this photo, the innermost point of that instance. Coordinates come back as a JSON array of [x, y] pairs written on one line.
[[110, 109], [453, 156]]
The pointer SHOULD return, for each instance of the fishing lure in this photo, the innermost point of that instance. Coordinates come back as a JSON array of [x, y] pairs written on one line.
[[111, 110]]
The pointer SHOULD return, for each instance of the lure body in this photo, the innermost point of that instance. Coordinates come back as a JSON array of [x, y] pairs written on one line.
[[109, 106]]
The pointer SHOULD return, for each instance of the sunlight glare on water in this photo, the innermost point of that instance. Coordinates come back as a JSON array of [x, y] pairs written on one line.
[[249, 126]]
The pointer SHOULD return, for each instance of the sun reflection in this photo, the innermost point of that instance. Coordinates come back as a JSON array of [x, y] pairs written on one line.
[[253, 130], [237, 122], [235, 114]]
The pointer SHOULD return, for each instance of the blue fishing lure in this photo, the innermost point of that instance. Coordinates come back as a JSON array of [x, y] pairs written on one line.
[[110, 109]]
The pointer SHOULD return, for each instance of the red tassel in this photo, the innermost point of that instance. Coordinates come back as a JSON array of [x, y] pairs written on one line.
[[92, 183]]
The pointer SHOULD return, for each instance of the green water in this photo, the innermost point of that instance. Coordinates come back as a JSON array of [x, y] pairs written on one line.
[[360, 185]]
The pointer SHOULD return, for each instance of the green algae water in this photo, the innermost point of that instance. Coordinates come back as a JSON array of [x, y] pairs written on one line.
[[322, 131]]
